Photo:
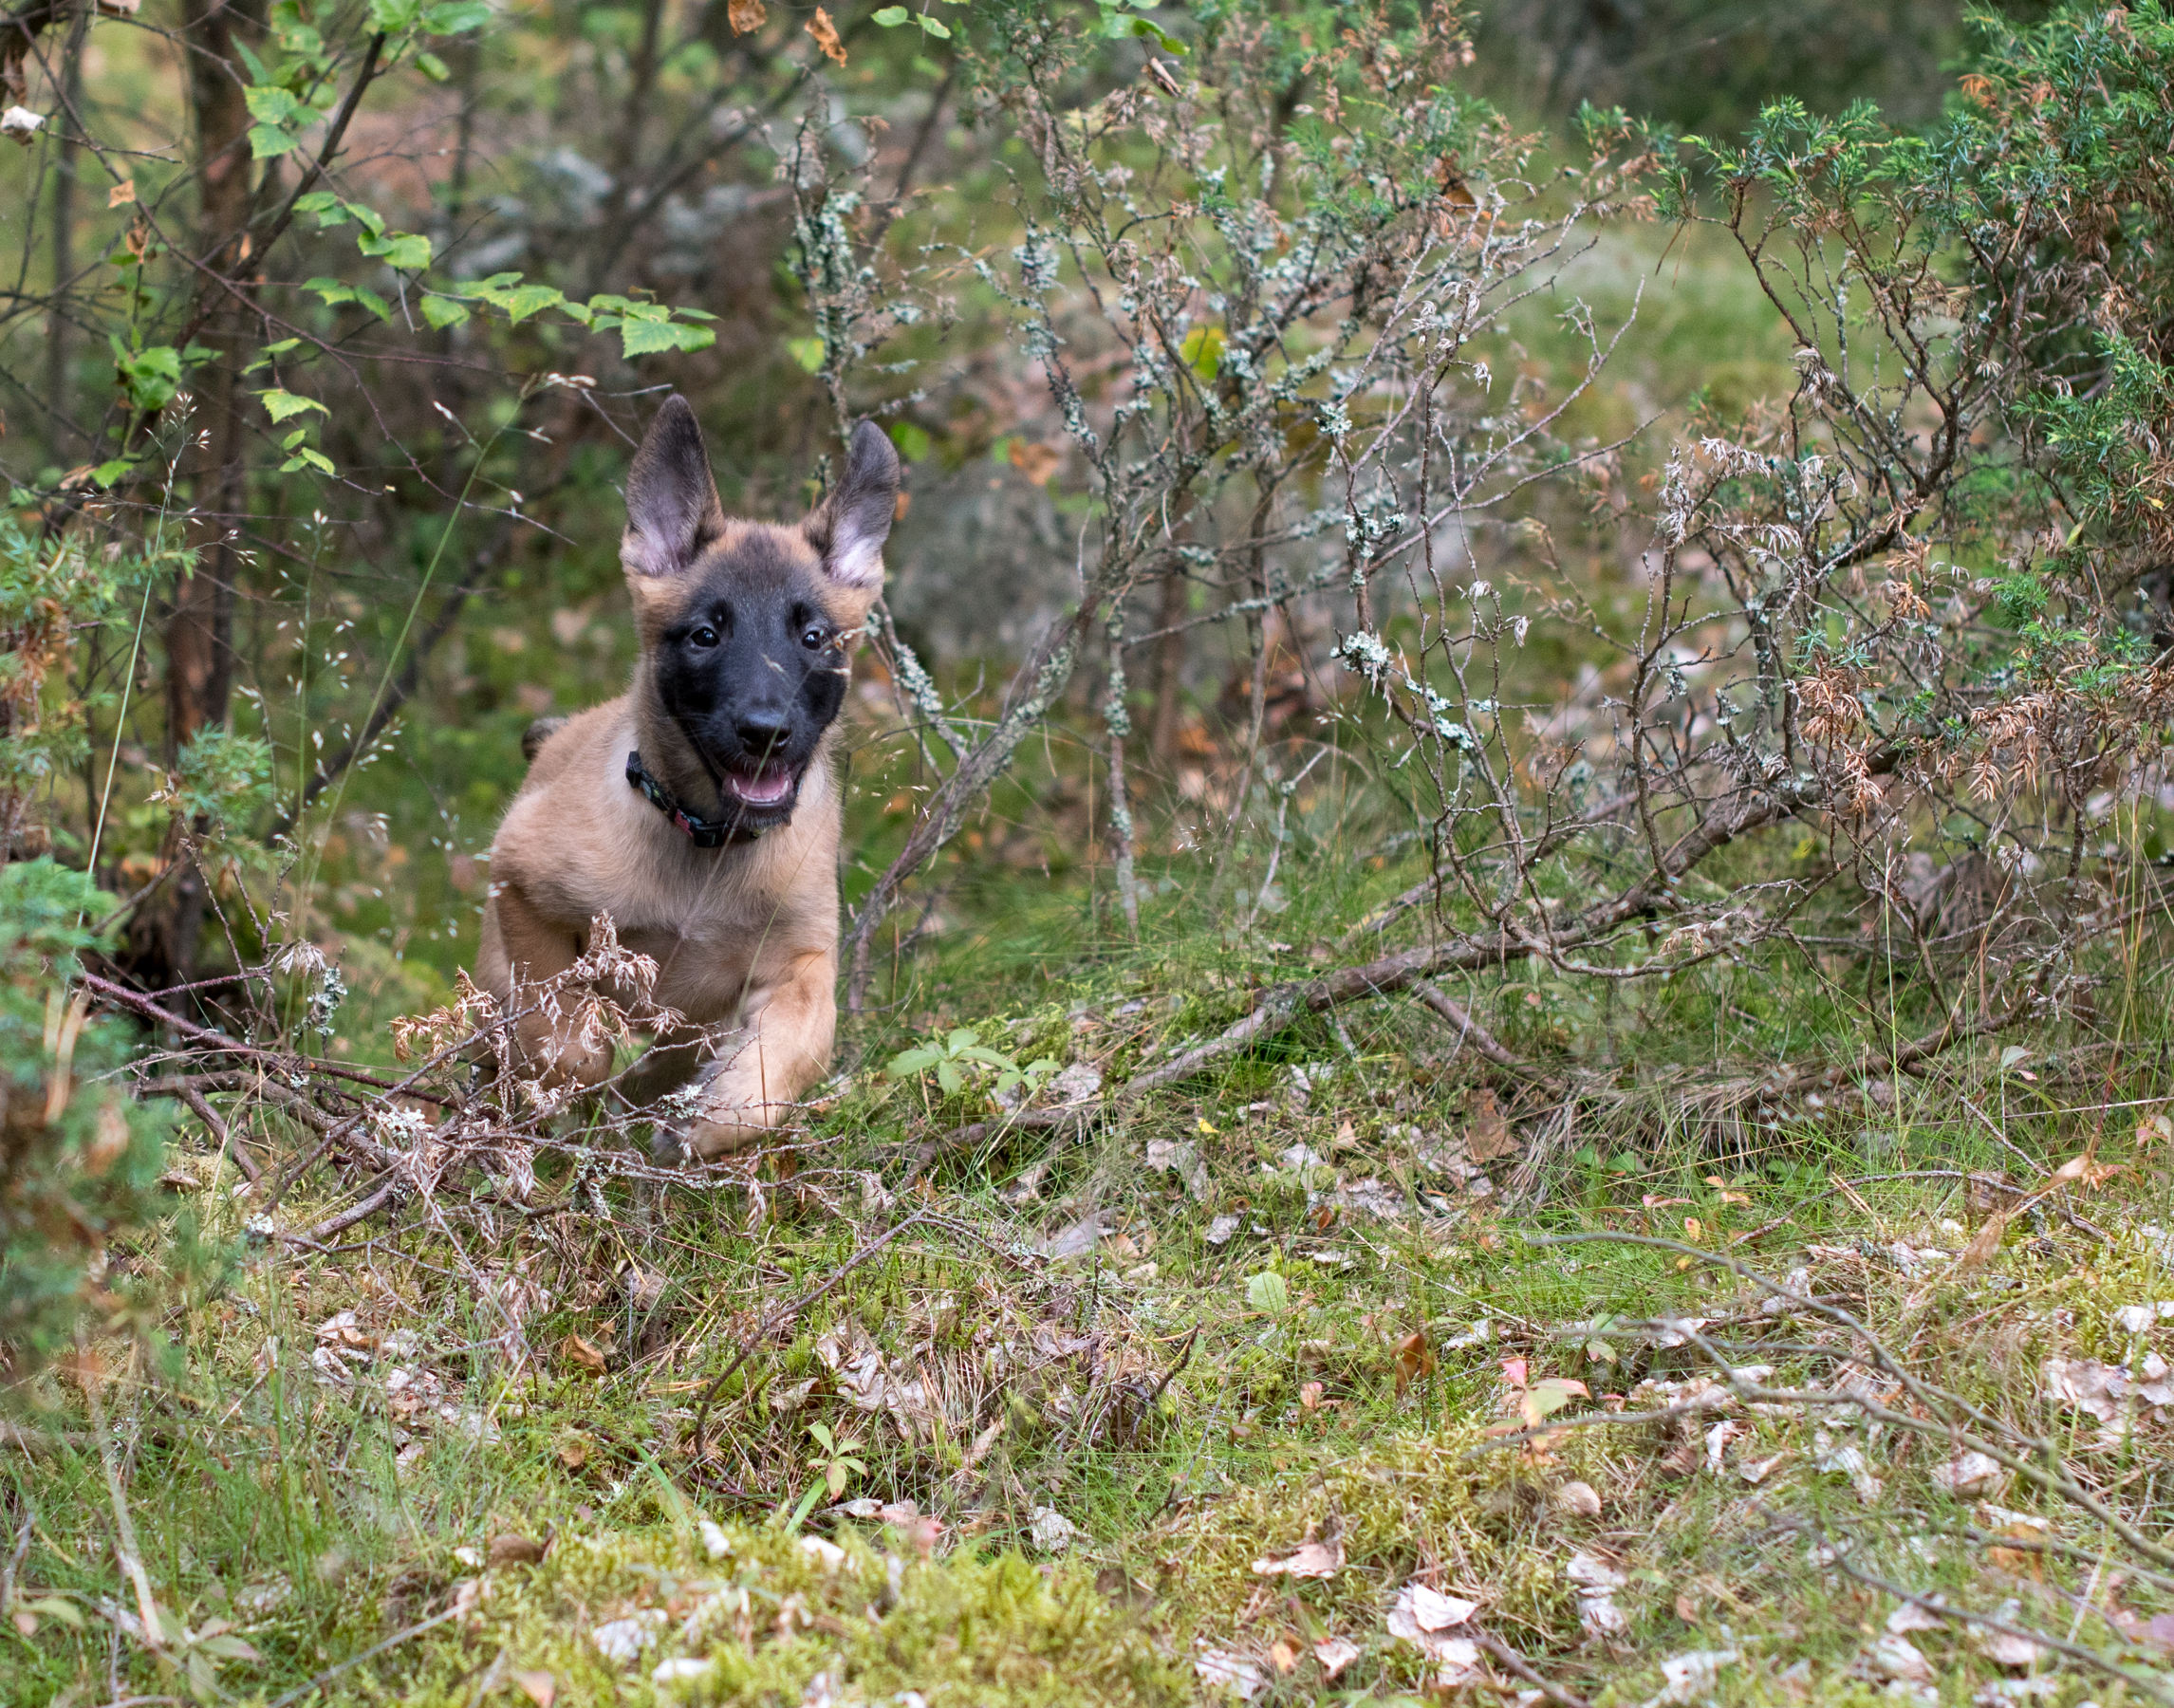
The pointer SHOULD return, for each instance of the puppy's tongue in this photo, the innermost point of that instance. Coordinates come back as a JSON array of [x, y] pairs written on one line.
[[767, 789]]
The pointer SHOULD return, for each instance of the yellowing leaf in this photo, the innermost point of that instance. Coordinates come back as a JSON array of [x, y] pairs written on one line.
[[1202, 350], [121, 192]]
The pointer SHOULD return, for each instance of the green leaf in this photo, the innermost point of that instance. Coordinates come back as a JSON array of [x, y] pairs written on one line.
[[1202, 351], [948, 1075], [890, 17], [111, 473], [328, 207], [307, 458], [283, 405], [913, 442], [442, 313], [807, 352], [55, 1607], [394, 17], [433, 67], [962, 1036], [409, 250], [520, 302], [1266, 1291], [268, 142], [1544, 1399], [931, 27], [646, 338], [913, 1061], [149, 376], [271, 104], [456, 17]]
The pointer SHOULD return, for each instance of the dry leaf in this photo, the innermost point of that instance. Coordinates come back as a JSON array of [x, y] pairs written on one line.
[[1415, 1359], [746, 15], [1434, 1611], [1487, 1134], [121, 194], [1310, 1395], [1307, 1560], [1346, 1138], [1983, 1249], [1036, 462], [1898, 1658], [825, 34], [574, 1455], [1283, 1653], [1579, 1498], [515, 1550], [540, 1687], [578, 1352], [1335, 1654], [1231, 1672]]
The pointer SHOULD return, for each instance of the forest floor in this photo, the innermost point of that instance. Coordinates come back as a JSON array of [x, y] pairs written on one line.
[[1331, 1373]]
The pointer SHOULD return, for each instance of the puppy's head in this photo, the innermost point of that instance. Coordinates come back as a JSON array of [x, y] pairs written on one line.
[[745, 625]]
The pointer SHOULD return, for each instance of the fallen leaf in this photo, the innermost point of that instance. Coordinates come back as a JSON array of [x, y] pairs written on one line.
[[1310, 1395], [578, 1352], [515, 1550], [539, 1687], [1579, 1498], [1972, 1477], [825, 34], [1898, 1659], [1986, 1245], [1414, 1358], [746, 15], [1307, 1560], [1685, 1676], [1335, 1654], [1487, 1134], [574, 1455], [1911, 1617], [120, 194], [1233, 1673], [1036, 462], [1434, 1611], [1283, 1653], [1347, 1139]]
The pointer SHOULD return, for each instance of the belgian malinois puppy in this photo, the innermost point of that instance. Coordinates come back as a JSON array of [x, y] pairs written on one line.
[[702, 809]]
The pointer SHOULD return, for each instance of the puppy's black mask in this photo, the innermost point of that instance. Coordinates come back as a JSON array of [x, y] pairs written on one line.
[[752, 672], [746, 624]]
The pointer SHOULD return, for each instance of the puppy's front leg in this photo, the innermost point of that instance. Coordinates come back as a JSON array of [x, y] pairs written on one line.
[[782, 1048], [521, 949]]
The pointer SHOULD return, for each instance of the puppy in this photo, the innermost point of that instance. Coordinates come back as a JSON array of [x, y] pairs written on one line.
[[701, 810]]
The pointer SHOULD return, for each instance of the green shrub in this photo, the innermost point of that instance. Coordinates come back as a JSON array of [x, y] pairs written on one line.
[[80, 1158]]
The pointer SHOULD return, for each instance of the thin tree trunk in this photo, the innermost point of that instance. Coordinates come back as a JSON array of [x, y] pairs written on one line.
[[1170, 666], [60, 344], [200, 622]]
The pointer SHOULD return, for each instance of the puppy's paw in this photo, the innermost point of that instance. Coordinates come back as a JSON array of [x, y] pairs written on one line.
[[730, 1113]]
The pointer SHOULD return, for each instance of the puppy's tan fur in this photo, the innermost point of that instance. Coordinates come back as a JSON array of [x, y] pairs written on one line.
[[745, 936]]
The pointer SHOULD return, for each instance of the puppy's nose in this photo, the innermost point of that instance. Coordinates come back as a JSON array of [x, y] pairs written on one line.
[[762, 732]]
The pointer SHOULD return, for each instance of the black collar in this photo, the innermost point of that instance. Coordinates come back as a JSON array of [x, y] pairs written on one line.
[[703, 833]]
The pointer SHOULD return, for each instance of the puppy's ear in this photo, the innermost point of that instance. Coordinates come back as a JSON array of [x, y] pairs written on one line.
[[673, 510], [850, 527]]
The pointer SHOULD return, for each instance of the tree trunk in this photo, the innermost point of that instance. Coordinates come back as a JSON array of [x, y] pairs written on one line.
[[200, 622], [60, 344]]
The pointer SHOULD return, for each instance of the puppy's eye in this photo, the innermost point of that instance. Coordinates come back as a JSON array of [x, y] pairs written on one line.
[[703, 637], [815, 639]]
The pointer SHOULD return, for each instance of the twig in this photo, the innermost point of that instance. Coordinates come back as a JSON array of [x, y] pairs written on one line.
[[778, 1318], [219, 1130], [2149, 1682], [1523, 1668], [369, 1653]]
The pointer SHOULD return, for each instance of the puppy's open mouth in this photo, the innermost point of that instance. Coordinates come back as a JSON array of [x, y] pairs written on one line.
[[765, 790]]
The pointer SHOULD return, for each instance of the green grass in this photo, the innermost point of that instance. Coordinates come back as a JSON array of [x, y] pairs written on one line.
[[1185, 1417]]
